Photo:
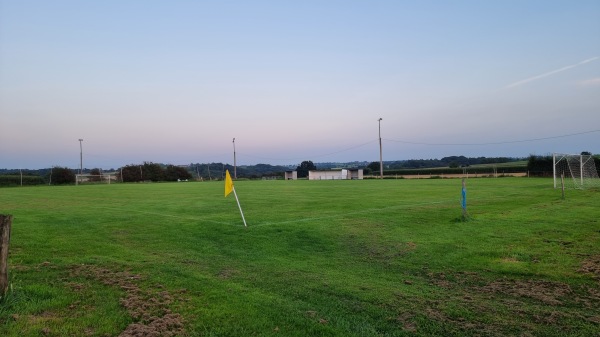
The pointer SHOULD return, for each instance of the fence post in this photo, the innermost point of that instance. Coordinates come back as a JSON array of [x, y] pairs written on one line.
[[5, 224]]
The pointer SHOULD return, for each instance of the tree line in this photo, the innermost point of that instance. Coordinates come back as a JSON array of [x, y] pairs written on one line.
[[543, 165], [149, 171], [57, 175]]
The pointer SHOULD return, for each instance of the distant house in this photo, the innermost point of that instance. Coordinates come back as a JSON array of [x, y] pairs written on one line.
[[343, 174], [291, 175]]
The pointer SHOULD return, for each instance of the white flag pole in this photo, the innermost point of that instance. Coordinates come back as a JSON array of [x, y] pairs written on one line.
[[238, 202]]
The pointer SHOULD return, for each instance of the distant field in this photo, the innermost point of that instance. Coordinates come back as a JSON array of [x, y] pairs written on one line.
[[517, 168], [522, 163], [319, 258]]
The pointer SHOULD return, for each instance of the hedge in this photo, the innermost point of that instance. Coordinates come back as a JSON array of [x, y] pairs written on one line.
[[446, 170], [15, 180]]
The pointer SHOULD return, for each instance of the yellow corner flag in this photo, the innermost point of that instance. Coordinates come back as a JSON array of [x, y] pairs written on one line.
[[228, 183], [228, 189]]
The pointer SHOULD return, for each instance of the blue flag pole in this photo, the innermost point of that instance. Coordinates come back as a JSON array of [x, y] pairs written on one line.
[[463, 201]]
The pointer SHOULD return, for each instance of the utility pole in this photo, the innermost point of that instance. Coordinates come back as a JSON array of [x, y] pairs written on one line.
[[80, 156], [234, 165], [380, 152]]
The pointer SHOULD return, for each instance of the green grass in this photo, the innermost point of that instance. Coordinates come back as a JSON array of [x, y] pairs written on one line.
[[319, 258]]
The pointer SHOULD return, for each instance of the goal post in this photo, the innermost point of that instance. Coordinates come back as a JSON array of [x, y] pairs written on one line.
[[93, 178], [579, 170]]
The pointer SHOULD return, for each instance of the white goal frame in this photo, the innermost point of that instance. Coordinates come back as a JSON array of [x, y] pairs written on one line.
[[578, 169], [103, 178]]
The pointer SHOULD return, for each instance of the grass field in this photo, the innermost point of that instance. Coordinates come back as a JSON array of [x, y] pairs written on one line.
[[319, 258]]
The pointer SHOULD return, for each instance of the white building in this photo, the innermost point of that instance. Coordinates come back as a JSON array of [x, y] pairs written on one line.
[[291, 175], [343, 174]]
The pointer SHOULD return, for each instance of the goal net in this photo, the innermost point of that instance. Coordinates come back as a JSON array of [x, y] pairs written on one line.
[[93, 178], [578, 170]]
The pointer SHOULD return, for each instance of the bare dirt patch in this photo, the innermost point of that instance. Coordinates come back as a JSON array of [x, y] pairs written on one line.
[[150, 309], [227, 273], [406, 321], [591, 265], [486, 306], [383, 253], [550, 293]]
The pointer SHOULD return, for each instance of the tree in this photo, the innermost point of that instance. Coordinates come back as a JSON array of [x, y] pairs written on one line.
[[374, 166], [131, 173], [62, 175], [96, 172], [304, 167], [174, 173], [153, 172], [539, 165]]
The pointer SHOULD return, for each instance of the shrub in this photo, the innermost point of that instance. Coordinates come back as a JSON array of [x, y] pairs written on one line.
[[62, 176], [174, 173]]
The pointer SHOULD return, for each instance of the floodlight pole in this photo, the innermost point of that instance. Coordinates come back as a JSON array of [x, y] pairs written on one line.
[[380, 152], [80, 156], [234, 166]]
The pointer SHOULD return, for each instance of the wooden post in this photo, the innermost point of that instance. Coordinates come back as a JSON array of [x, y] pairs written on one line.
[[5, 224]]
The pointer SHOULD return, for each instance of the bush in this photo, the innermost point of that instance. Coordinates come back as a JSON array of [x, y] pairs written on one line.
[[539, 165], [153, 172], [131, 173], [62, 176], [175, 173]]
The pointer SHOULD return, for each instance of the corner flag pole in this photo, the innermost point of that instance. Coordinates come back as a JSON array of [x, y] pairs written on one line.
[[240, 207], [228, 189], [463, 200]]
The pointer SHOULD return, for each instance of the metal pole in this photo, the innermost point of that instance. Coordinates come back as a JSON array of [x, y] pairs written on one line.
[[240, 207], [234, 164], [554, 168], [380, 152], [581, 169], [464, 199], [80, 156], [562, 184]]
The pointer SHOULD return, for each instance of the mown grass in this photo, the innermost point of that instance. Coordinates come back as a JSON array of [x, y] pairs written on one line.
[[319, 258]]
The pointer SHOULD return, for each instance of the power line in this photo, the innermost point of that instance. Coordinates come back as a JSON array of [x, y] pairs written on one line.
[[313, 156], [492, 143]]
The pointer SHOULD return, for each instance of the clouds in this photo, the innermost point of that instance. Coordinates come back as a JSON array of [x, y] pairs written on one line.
[[550, 73]]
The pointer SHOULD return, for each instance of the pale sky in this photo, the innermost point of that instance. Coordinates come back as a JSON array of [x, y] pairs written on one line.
[[175, 81]]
